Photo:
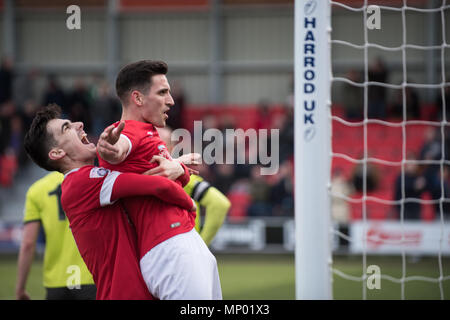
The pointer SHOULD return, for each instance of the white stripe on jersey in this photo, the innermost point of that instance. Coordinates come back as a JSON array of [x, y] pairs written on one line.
[[107, 187], [129, 142]]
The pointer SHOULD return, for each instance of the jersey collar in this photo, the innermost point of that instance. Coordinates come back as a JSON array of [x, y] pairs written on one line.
[[71, 171]]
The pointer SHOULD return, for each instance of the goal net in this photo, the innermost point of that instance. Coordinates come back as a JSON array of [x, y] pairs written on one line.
[[372, 143]]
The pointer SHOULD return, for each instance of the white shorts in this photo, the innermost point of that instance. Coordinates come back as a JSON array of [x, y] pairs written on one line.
[[182, 268]]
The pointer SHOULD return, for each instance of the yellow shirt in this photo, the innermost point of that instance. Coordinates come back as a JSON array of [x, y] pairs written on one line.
[[215, 203], [62, 260]]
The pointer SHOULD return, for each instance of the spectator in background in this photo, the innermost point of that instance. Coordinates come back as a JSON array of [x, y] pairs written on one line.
[[7, 112], [431, 149], [55, 94], [26, 115], [259, 193], [8, 156], [222, 122], [414, 185], [241, 170], [340, 208], [412, 104], [436, 180], [176, 112], [224, 177], [286, 126], [80, 105], [376, 93], [106, 109], [263, 119], [437, 185], [24, 88], [6, 80], [440, 102], [353, 96], [281, 193], [371, 178], [16, 137], [446, 194], [28, 111]]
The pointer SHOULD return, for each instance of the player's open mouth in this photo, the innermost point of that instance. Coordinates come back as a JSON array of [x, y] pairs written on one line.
[[84, 138]]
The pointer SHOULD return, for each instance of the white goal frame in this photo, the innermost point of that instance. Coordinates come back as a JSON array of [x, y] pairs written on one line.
[[312, 143], [313, 153]]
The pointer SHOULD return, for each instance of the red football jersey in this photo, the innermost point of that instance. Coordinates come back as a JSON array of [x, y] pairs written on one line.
[[155, 220], [103, 234]]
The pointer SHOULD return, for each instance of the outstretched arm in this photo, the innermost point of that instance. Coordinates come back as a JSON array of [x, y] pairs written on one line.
[[132, 184], [112, 146]]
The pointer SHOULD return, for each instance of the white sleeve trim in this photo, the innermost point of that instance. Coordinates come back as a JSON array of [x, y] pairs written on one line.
[[107, 187], [129, 142]]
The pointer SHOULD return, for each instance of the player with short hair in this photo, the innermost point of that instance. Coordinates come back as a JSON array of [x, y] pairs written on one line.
[[43, 209], [175, 261], [215, 203], [91, 199]]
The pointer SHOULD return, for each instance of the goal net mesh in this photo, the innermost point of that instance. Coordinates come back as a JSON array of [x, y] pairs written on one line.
[[390, 133]]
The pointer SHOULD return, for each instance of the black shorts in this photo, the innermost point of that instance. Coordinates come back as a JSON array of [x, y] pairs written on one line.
[[86, 292]]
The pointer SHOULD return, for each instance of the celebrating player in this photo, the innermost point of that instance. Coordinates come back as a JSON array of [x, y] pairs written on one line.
[[90, 200], [175, 261], [215, 202]]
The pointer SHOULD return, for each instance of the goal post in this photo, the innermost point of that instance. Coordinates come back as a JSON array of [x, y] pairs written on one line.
[[312, 149], [392, 143]]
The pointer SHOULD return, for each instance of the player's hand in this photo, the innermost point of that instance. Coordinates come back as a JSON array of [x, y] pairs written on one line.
[[22, 295], [192, 171], [190, 158], [106, 143], [166, 168], [112, 134]]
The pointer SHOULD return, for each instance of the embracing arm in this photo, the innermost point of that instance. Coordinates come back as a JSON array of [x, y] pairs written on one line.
[[171, 169], [188, 159], [185, 177], [132, 184]]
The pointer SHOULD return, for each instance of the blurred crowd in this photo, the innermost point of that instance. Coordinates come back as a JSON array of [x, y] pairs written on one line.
[[387, 103], [424, 177], [425, 182], [251, 193], [94, 104]]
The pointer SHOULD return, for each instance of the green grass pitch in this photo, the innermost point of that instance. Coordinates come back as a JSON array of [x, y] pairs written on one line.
[[255, 276]]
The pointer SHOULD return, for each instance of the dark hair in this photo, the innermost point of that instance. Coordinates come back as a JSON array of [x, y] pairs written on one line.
[[38, 141], [138, 76]]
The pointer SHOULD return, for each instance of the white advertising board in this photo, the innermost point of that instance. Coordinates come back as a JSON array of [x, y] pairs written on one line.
[[393, 237]]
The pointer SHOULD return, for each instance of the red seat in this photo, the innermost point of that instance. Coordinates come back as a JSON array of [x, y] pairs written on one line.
[[240, 202]]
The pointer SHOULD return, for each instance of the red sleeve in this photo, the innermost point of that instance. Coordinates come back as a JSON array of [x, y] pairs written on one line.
[[126, 184], [184, 178]]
